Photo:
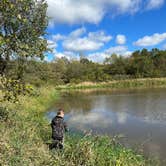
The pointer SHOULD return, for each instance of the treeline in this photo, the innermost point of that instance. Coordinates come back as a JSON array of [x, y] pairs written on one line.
[[141, 64]]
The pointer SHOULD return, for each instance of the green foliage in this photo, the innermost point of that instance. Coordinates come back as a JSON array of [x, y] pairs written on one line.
[[23, 23], [11, 89]]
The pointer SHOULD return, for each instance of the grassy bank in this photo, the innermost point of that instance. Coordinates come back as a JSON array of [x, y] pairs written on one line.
[[129, 83], [25, 134]]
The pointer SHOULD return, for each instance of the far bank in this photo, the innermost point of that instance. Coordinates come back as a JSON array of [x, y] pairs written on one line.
[[118, 84]]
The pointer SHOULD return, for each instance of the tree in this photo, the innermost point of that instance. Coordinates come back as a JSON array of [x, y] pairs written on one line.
[[116, 65], [111, 59], [22, 27], [141, 64]]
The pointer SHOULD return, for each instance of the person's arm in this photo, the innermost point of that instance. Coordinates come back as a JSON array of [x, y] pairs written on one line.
[[66, 127], [52, 123]]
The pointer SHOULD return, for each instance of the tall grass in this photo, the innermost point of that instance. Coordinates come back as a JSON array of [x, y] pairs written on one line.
[[25, 135], [129, 83]]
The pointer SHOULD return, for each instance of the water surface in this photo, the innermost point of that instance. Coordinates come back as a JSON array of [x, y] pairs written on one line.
[[139, 115]]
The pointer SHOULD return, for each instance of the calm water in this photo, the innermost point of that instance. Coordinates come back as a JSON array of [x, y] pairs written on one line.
[[138, 115]]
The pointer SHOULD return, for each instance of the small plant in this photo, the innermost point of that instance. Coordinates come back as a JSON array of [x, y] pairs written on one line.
[[3, 113]]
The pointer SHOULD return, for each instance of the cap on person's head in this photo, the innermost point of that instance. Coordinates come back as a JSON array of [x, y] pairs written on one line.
[[60, 111]]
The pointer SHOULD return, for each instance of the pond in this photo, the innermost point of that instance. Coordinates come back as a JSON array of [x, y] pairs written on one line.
[[138, 115]]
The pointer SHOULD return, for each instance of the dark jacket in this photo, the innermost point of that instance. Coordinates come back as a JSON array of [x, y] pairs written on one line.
[[58, 127]]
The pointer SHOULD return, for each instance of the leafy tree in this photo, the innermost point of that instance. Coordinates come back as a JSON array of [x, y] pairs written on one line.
[[111, 59], [74, 71], [159, 60], [22, 25], [60, 66], [84, 61], [117, 65], [141, 64]]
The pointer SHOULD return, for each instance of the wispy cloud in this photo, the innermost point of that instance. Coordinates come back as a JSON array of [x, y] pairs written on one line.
[[99, 36], [154, 4], [58, 37], [153, 40]]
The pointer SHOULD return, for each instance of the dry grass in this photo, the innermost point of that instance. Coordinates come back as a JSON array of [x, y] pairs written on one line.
[[129, 83]]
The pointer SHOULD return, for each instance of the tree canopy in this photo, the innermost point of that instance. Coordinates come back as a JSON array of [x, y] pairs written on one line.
[[22, 29]]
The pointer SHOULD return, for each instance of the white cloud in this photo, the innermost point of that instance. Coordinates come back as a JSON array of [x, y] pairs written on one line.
[[81, 44], [120, 39], [80, 41], [153, 4], [77, 33], [100, 56], [46, 58], [123, 6], [51, 44], [151, 40], [75, 11], [67, 54], [91, 11], [119, 50], [58, 37], [97, 57], [99, 36], [60, 55]]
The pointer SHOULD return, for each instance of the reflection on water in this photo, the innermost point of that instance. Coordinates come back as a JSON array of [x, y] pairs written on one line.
[[140, 115]]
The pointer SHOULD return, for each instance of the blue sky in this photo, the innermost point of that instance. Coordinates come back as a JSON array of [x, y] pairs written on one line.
[[98, 28]]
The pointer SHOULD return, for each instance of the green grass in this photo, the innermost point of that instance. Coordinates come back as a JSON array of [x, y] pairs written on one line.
[[25, 135], [129, 83]]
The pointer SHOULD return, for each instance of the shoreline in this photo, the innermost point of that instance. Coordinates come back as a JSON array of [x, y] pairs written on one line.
[[118, 84]]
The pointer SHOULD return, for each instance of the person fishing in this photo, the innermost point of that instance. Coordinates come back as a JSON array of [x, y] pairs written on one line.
[[58, 129]]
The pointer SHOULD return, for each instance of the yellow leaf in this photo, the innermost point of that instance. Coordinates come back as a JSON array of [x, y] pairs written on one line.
[[19, 16]]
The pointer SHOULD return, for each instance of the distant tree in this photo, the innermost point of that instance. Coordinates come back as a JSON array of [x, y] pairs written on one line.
[[154, 52], [74, 71], [135, 54], [116, 65], [111, 59], [22, 27], [141, 64], [84, 61], [144, 52], [60, 66], [159, 60]]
